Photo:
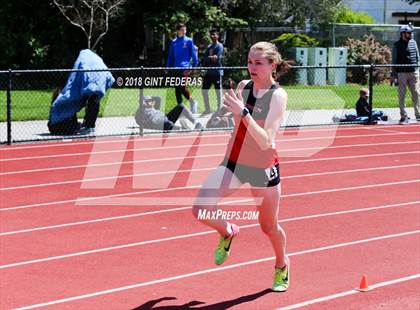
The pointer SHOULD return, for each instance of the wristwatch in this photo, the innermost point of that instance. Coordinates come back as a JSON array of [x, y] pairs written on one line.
[[244, 112]]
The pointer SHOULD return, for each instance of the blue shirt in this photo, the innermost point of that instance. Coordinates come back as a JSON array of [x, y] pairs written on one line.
[[79, 85], [180, 53]]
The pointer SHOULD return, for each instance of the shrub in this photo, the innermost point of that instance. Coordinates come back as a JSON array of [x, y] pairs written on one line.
[[288, 40], [365, 52]]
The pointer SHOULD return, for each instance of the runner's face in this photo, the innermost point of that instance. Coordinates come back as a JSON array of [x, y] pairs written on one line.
[[258, 66]]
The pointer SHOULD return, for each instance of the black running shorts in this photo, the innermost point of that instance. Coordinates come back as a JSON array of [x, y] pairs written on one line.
[[258, 177]]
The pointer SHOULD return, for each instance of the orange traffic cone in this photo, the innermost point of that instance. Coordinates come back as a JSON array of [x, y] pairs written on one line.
[[363, 287]]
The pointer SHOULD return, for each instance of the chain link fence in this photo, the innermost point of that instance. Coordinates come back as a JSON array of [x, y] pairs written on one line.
[[333, 35], [337, 34], [317, 95]]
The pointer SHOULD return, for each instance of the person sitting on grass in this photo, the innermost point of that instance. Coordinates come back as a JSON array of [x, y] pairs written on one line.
[[84, 89], [362, 105], [363, 108]]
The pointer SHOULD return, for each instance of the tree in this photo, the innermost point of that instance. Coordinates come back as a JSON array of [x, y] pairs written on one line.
[[412, 1], [91, 16], [347, 15], [284, 12], [200, 17], [134, 24], [256, 11], [35, 45], [320, 13]]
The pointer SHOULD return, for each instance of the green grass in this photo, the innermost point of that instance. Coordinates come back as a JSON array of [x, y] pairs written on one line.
[[35, 104], [342, 96]]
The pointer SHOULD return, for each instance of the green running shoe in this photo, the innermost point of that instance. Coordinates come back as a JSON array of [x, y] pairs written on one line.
[[281, 279], [223, 249]]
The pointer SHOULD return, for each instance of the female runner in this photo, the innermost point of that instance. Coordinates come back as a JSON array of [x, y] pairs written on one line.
[[258, 106]]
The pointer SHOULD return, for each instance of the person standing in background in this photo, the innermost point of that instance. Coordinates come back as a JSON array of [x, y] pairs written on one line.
[[212, 58], [181, 52], [405, 52]]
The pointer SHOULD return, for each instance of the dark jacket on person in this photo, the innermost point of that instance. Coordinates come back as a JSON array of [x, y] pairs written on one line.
[[213, 49], [362, 107], [405, 53], [153, 118]]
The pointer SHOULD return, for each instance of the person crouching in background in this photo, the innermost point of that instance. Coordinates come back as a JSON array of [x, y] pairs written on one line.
[[84, 89]]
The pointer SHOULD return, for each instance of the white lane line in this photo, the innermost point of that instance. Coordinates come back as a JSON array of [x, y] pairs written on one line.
[[78, 200], [173, 172], [385, 130], [351, 188], [187, 136], [349, 171], [206, 271], [118, 163], [104, 178], [153, 241], [119, 217], [104, 141], [347, 157], [211, 145], [134, 215], [351, 292], [199, 156], [190, 145], [87, 199]]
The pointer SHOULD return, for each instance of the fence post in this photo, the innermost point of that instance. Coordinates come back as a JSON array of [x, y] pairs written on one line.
[[9, 108], [141, 126], [219, 103], [371, 67]]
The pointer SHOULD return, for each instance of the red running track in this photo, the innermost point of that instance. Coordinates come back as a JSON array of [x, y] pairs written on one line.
[[350, 206]]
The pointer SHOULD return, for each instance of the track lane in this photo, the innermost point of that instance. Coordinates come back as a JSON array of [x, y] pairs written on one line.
[[216, 287], [67, 192], [286, 142], [219, 290], [128, 167], [292, 187], [21, 247]]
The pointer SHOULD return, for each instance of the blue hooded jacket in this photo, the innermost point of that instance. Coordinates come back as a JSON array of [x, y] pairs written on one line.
[[80, 84], [180, 53]]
